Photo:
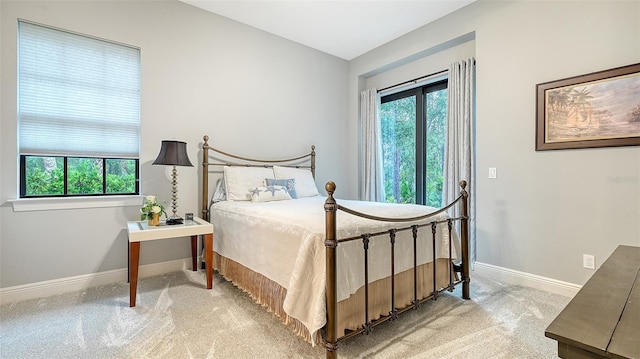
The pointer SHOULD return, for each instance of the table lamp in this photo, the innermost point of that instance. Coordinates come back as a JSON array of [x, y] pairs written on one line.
[[173, 153]]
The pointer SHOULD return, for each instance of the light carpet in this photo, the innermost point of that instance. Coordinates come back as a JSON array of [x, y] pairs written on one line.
[[176, 317]]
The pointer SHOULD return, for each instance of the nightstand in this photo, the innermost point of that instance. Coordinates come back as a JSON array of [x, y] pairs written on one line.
[[140, 231]]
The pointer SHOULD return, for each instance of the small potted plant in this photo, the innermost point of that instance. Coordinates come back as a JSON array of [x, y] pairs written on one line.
[[151, 211]]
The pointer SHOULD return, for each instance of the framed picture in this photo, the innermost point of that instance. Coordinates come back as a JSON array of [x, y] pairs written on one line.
[[600, 109]]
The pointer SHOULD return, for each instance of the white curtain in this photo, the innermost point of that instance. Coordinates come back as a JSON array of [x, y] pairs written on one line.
[[459, 150], [372, 173]]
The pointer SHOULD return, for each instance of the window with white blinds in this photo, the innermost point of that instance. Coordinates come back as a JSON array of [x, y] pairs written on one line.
[[77, 95], [78, 114]]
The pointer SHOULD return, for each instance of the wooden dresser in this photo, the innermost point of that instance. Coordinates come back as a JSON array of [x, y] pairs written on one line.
[[603, 319]]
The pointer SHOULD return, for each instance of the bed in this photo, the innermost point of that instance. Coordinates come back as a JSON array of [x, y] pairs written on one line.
[[329, 268]]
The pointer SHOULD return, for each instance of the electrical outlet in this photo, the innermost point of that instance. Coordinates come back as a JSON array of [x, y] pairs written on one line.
[[589, 261]]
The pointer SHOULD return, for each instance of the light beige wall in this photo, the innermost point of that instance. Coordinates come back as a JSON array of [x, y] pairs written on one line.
[[545, 209], [253, 93]]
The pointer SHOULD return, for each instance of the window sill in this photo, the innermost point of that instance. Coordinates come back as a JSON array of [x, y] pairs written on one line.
[[47, 204]]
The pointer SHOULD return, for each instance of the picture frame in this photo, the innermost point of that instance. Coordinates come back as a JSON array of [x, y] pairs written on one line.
[[600, 109]]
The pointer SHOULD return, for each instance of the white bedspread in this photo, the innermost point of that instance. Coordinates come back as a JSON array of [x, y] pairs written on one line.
[[284, 241]]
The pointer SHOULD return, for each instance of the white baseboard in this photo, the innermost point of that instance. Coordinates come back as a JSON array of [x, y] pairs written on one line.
[[526, 279], [82, 282]]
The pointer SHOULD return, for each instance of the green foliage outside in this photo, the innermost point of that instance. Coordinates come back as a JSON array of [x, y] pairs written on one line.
[[45, 176], [436, 111], [398, 130], [121, 176], [85, 176]]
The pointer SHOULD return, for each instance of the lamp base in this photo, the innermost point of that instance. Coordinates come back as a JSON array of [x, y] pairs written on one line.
[[174, 220]]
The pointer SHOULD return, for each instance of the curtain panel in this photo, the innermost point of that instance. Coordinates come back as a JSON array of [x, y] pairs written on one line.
[[459, 158], [371, 171]]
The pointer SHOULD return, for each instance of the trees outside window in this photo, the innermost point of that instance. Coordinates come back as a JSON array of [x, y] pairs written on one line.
[[68, 176]]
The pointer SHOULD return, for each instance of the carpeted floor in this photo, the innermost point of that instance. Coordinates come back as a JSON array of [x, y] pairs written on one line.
[[176, 318]]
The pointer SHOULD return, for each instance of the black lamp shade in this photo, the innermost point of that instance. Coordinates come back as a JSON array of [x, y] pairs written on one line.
[[173, 153]]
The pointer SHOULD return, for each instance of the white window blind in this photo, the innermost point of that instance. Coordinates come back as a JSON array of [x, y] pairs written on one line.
[[77, 95]]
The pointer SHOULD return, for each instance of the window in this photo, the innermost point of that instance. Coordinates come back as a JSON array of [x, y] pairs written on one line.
[[413, 127], [78, 114]]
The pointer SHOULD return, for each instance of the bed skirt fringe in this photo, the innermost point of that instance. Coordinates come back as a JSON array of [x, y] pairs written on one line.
[[271, 295], [263, 291]]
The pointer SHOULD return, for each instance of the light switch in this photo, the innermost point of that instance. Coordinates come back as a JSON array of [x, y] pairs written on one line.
[[492, 172]]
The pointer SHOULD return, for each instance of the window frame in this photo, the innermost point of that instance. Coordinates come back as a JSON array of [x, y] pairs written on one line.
[[420, 93], [23, 178]]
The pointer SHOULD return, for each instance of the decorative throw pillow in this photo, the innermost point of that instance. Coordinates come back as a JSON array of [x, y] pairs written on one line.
[[238, 179], [289, 184], [305, 184], [269, 193], [219, 194]]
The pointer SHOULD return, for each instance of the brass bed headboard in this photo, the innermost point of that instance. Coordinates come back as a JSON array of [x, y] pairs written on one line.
[[221, 158]]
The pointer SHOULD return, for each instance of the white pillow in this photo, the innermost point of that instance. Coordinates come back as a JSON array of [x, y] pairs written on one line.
[[305, 184], [238, 179], [269, 193]]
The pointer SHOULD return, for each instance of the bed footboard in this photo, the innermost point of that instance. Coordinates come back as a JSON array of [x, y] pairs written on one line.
[[331, 335]]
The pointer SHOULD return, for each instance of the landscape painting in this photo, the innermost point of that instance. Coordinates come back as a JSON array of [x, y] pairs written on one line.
[[595, 110]]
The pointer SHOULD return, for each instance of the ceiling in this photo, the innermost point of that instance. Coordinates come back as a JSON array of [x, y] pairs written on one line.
[[346, 28]]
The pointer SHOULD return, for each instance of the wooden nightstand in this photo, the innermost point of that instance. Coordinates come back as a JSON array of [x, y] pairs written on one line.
[[140, 231]]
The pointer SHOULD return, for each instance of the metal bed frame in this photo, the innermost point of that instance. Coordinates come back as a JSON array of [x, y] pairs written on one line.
[[332, 207]]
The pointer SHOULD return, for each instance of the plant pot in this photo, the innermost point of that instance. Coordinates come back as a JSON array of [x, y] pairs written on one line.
[[154, 220]]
